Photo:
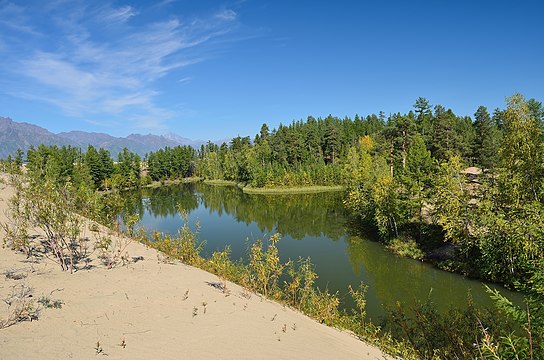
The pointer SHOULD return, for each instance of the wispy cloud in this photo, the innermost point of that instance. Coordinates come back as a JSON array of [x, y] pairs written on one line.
[[226, 14], [184, 80], [95, 71], [14, 18], [121, 14]]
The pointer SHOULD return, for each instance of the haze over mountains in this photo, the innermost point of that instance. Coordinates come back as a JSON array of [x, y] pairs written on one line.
[[20, 135]]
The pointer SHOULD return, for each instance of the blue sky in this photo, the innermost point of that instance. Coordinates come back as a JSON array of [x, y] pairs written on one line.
[[213, 69]]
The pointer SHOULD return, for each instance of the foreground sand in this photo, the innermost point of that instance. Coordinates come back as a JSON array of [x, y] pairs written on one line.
[[150, 309]]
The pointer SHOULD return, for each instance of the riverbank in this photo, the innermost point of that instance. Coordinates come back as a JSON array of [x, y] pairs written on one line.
[[291, 190], [219, 182], [249, 189], [188, 180], [149, 308]]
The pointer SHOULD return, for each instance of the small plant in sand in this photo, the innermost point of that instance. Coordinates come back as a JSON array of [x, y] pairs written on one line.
[[185, 247], [16, 228], [113, 251], [130, 221], [43, 204], [300, 289], [20, 306], [94, 227], [14, 274], [266, 266], [98, 348], [358, 321], [49, 303], [220, 264]]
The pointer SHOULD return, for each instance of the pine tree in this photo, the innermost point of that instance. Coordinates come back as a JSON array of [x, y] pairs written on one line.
[[423, 116], [487, 139]]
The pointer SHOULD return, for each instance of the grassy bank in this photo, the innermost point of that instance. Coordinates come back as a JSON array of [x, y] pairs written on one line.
[[219, 182], [157, 184], [291, 190], [274, 190]]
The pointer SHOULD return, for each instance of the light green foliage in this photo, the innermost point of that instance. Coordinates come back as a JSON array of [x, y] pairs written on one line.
[[529, 343], [130, 221], [406, 248], [510, 217], [387, 207], [221, 265], [417, 178], [185, 247], [265, 265], [16, 228], [373, 194], [521, 156], [52, 209], [451, 201], [457, 334]]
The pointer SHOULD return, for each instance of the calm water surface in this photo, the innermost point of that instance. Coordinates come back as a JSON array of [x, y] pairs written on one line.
[[311, 225]]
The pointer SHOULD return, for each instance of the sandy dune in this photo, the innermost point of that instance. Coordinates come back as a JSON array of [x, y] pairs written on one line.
[[150, 309]]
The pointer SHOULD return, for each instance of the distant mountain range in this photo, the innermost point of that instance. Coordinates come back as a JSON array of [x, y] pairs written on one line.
[[20, 135]]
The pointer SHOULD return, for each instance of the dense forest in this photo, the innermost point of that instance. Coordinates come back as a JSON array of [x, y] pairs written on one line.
[[421, 180]]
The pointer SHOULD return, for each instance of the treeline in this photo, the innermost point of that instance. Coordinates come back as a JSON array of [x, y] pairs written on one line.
[[316, 151], [94, 168]]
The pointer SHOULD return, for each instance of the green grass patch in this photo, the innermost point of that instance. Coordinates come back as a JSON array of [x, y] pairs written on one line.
[[292, 190], [219, 182], [157, 184]]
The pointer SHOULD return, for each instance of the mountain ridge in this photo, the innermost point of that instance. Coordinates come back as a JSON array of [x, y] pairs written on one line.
[[21, 135]]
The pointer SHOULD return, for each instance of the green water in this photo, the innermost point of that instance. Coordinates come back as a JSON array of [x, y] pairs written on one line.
[[311, 225]]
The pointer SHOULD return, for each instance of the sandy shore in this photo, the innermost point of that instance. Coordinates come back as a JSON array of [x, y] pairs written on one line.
[[150, 309]]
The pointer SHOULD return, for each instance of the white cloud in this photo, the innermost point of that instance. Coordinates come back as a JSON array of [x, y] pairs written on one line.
[[184, 80], [92, 71], [226, 14], [121, 14]]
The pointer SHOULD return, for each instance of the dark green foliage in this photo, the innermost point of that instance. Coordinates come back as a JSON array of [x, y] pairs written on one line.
[[424, 117], [301, 154], [128, 168], [486, 144], [445, 140], [171, 163], [398, 133]]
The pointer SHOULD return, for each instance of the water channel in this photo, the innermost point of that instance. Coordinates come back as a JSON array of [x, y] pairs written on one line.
[[311, 225]]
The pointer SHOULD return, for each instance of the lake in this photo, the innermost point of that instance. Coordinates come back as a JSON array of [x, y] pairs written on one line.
[[311, 225]]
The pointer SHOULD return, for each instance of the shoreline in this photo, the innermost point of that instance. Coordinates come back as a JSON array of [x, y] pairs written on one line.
[[310, 189], [158, 184], [153, 307], [293, 190]]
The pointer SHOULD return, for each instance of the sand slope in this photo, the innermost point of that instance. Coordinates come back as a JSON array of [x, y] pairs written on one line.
[[154, 310]]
